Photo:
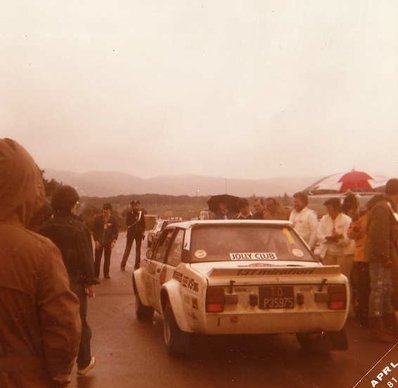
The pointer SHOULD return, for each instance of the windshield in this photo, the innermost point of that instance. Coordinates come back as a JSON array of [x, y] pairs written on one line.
[[247, 242]]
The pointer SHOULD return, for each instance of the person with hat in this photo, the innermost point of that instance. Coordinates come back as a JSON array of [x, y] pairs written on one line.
[[105, 234], [72, 238], [39, 319], [381, 251], [332, 235], [135, 222]]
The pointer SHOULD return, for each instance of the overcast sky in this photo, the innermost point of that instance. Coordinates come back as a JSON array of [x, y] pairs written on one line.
[[228, 88]]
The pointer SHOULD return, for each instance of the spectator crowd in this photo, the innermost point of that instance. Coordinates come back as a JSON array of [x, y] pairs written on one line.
[[46, 277]]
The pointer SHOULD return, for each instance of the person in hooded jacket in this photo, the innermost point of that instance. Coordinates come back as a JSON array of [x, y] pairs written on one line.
[[381, 251], [39, 320], [73, 239]]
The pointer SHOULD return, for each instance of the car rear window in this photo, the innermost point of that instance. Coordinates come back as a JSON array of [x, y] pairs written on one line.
[[247, 243]]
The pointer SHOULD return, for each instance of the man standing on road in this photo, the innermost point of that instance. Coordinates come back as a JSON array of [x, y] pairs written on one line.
[[333, 236], [39, 319], [381, 251], [72, 238], [304, 220], [135, 222], [105, 233]]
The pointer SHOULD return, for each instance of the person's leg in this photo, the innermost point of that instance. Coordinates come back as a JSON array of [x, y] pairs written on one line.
[[363, 291], [376, 273], [84, 356], [107, 259], [138, 242], [97, 261], [126, 253], [377, 304], [388, 289]]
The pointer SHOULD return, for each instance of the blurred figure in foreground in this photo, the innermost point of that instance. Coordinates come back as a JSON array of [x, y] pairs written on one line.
[[274, 211], [381, 251], [72, 238], [105, 233], [304, 220], [39, 320], [332, 235], [135, 222]]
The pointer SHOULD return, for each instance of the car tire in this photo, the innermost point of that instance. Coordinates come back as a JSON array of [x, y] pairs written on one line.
[[314, 342], [142, 312], [177, 341], [323, 342]]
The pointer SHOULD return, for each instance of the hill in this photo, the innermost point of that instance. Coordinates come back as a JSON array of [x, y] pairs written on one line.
[[105, 184]]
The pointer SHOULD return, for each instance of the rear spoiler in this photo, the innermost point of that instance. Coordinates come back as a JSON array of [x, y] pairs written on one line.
[[275, 271]]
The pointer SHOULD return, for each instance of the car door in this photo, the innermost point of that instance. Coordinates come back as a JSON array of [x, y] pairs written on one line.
[[157, 267], [173, 255]]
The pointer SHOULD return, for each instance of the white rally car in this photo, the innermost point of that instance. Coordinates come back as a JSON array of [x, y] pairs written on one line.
[[240, 277]]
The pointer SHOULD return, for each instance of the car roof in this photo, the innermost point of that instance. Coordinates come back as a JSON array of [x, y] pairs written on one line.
[[190, 224]]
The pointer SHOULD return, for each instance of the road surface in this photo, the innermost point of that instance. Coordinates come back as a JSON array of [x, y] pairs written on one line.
[[131, 354]]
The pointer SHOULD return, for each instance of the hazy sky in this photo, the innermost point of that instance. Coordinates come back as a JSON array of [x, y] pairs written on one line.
[[226, 88]]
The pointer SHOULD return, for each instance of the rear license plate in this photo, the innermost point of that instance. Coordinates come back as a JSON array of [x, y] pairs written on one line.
[[276, 297]]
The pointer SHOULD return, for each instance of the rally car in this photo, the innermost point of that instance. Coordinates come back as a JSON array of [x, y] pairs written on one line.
[[240, 277]]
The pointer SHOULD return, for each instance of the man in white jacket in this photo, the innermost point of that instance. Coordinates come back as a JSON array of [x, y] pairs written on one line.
[[332, 235], [304, 220]]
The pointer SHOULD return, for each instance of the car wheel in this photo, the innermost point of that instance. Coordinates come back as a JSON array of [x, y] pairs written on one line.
[[142, 312], [324, 341], [313, 342], [177, 341]]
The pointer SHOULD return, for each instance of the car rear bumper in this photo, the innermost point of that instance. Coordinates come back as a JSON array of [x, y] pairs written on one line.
[[274, 323]]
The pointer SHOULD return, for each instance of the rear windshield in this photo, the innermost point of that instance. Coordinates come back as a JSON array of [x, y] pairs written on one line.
[[247, 242]]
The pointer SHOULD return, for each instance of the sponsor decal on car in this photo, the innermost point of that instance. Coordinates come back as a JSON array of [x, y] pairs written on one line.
[[253, 256]]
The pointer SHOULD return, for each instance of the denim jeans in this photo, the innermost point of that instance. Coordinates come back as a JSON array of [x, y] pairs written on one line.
[[380, 299], [84, 356]]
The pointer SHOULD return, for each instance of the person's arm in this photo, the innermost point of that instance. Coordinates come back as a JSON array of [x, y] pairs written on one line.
[[378, 233], [313, 224], [59, 317], [344, 240], [96, 229], [115, 230], [85, 252], [354, 231]]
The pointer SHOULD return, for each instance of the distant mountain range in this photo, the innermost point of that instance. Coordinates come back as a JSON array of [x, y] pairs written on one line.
[[104, 184]]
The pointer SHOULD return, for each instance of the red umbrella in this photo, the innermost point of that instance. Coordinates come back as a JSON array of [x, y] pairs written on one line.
[[355, 180], [348, 181]]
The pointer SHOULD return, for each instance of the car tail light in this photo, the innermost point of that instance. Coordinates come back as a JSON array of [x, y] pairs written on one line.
[[215, 300], [337, 297]]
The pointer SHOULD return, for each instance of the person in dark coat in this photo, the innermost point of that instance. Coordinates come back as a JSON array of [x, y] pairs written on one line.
[[39, 314], [72, 238], [381, 251], [105, 234], [135, 222]]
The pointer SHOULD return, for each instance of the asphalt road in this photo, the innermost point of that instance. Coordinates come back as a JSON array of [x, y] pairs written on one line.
[[131, 354]]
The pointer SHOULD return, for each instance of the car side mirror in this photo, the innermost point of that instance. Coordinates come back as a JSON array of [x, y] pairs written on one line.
[[149, 254]]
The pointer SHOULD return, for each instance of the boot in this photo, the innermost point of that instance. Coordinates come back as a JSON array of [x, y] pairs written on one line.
[[377, 332], [391, 325]]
